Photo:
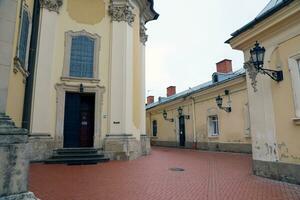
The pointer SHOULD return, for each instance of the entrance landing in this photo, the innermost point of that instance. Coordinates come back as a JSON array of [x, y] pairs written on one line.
[[205, 176]]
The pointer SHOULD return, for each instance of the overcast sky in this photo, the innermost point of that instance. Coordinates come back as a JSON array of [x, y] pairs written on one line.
[[188, 39]]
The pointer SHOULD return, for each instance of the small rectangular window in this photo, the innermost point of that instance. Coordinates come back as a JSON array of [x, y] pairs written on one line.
[[154, 128], [213, 125]]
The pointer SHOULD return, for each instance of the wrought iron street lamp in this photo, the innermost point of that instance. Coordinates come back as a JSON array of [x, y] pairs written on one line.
[[81, 89], [257, 59], [180, 113], [165, 115], [219, 101]]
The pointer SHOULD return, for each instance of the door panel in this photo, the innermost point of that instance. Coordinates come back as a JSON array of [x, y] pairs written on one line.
[[72, 120], [87, 121], [79, 120], [182, 131]]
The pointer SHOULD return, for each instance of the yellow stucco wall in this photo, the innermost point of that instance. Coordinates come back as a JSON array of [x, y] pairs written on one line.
[[16, 87], [136, 71], [287, 132], [66, 22], [280, 35], [231, 125], [91, 12]]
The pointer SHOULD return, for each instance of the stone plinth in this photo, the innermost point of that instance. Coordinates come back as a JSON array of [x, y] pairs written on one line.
[[14, 162], [145, 145], [122, 147]]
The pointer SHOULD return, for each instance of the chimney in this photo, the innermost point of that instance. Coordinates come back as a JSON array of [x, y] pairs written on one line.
[[224, 66], [150, 100], [171, 91]]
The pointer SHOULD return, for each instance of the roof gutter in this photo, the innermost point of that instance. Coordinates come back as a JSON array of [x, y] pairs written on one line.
[[199, 90], [259, 19]]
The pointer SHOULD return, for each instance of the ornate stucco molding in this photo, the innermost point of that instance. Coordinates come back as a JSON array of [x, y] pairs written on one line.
[[143, 35], [252, 73], [121, 11], [52, 5]]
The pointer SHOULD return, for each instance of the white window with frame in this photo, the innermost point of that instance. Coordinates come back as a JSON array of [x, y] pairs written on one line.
[[81, 55], [24, 37], [294, 65], [213, 126]]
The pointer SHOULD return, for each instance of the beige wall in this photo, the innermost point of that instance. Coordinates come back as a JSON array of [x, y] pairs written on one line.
[[275, 134], [287, 131], [232, 125]]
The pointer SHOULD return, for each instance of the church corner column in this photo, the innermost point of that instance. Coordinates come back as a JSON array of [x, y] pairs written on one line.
[[120, 140], [14, 161], [145, 140]]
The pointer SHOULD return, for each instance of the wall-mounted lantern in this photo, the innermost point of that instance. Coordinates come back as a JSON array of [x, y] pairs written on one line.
[[180, 113], [81, 89], [257, 59], [219, 101], [165, 115]]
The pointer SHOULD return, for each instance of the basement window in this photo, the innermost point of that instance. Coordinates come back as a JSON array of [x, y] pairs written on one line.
[[213, 125]]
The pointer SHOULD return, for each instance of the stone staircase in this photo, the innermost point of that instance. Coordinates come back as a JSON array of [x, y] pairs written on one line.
[[76, 156]]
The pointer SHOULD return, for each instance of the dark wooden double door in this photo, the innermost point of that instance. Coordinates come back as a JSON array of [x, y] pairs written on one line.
[[79, 120], [181, 131]]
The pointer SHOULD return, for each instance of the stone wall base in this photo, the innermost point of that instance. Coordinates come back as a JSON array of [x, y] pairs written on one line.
[[145, 145], [208, 146], [225, 147], [23, 196], [122, 147], [279, 171], [40, 147]]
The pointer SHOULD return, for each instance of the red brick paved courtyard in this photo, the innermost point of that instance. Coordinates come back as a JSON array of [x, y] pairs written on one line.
[[213, 176]]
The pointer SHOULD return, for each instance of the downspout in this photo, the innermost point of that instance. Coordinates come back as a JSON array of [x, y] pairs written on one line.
[[194, 124]]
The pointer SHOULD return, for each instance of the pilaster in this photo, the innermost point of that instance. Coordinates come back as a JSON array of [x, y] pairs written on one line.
[[8, 10], [43, 87], [121, 67]]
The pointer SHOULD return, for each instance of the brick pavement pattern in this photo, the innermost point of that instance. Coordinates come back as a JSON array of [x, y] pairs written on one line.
[[207, 176]]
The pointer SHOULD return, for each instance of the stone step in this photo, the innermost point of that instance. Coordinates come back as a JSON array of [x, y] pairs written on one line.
[[76, 150], [7, 123], [76, 161], [78, 155]]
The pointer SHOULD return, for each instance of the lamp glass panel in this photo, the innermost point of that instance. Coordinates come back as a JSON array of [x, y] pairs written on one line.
[[219, 101]]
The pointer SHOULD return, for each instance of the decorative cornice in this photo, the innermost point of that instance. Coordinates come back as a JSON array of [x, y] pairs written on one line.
[[121, 11], [52, 5], [143, 35]]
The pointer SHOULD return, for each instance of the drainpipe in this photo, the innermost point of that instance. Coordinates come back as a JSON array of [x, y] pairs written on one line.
[[194, 124]]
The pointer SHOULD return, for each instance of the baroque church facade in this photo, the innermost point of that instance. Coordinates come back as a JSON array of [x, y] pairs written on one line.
[[75, 77]]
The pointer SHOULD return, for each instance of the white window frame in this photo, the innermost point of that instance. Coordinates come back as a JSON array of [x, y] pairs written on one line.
[[211, 132], [24, 7], [68, 43], [294, 62]]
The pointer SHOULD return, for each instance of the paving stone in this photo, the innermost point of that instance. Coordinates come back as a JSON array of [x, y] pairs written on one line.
[[206, 176]]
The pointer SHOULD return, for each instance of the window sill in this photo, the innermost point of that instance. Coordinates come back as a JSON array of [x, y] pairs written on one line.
[[78, 79], [296, 121], [213, 136], [18, 68]]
